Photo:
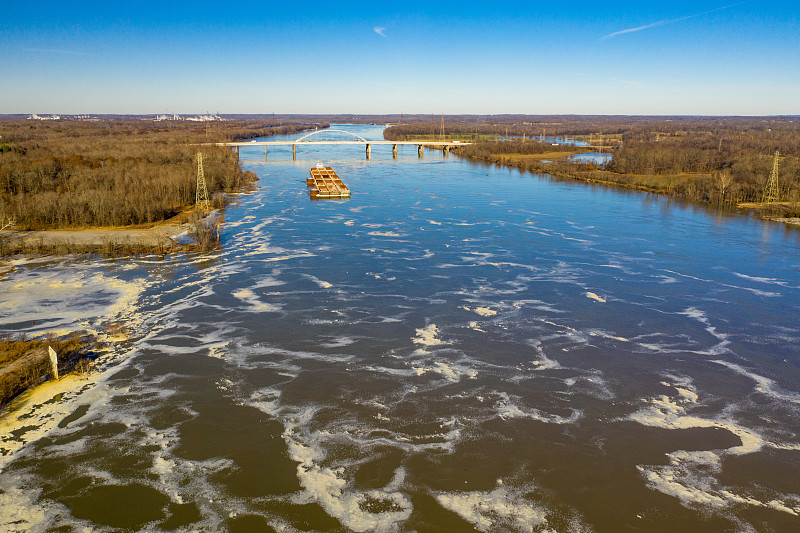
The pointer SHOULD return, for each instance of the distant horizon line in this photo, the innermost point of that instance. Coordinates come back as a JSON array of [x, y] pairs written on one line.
[[367, 115]]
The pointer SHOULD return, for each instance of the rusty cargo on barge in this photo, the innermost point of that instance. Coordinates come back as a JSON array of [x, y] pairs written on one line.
[[325, 183]]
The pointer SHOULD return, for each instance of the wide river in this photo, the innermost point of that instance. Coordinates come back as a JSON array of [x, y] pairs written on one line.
[[458, 347]]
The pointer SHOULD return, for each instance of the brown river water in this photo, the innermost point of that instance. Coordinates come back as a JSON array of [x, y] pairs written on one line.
[[457, 347]]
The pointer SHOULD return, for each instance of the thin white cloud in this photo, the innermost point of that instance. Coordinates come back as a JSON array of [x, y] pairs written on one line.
[[54, 51], [668, 21], [379, 30]]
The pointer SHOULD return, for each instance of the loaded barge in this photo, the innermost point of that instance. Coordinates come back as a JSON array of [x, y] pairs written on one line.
[[325, 183]]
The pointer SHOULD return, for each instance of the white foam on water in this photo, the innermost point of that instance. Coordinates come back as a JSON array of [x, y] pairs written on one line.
[[255, 304], [277, 253], [266, 400], [542, 362], [236, 223], [215, 342], [268, 281], [666, 279], [386, 234], [606, 335], [253, 357], [757, 292], [691, 476], [508, 407], [482, 311], [328, 480], [327, 485], [427, 336], [595, 297], [426, 255], [38, 411], [320, 283], [764, 385], [35, 413], [74, 298], [45, 417], [20, 509], [769, 281], [592, 384], [474, 326], [501, 509], [700, 316], [452, 372], [537, 305], [664, 412], [338, 342]]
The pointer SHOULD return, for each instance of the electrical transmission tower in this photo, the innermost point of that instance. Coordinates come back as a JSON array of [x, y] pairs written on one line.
[[202, 192], [771, 193]]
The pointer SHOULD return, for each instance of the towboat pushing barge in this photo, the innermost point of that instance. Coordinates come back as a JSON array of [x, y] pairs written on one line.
[[325, 183]]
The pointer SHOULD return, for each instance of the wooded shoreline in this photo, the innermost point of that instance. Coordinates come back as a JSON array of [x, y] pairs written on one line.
[[121, 173], [719, 161]]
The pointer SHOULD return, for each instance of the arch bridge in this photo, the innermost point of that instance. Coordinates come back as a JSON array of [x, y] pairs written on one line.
[[342, 137]]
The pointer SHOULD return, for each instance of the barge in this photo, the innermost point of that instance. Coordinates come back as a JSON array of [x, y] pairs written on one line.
[[325, 183]]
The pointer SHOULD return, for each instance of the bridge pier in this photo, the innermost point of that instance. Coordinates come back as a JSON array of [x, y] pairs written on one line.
[[294, 152], [265, 152], [419, 151], [369, 150], [394, 151], [446, 150]]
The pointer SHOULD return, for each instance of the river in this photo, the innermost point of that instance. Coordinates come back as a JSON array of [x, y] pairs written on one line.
[[457, 347]]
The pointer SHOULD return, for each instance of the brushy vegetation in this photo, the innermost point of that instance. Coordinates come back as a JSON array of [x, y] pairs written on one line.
[[24, 362], [716, 160], [115, 172], [484, 149]]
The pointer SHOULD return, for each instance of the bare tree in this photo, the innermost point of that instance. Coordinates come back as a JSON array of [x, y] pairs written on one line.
[[7, 221], [724, 181]]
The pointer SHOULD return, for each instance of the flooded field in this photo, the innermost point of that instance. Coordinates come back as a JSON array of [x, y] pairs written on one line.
[[457, 347]]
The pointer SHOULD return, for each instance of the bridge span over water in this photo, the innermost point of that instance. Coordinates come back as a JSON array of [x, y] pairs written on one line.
[[341, 137]]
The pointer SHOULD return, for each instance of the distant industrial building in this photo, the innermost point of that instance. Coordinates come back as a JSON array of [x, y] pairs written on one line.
[[196, 118]]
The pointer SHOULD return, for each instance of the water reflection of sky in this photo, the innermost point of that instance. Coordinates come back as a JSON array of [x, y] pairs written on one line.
[[591, 157]]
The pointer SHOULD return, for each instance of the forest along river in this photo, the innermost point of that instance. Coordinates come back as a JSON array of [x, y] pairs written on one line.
[[458, 347]]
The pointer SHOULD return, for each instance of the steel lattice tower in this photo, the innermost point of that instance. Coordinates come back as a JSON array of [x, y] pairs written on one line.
[[771, 193], [202, 192]]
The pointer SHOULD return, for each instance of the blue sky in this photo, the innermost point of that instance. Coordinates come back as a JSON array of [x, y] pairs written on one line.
[[702, 57]]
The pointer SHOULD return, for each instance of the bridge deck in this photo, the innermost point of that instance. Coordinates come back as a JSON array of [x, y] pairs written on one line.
[[289, 143]]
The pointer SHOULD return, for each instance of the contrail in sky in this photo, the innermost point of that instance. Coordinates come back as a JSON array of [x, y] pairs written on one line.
[[668, 21], [379, 30]]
